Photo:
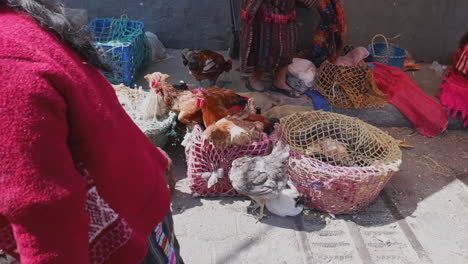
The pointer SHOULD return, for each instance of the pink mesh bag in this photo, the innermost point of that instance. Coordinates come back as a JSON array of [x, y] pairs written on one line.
[[203, 157], [340, 164]]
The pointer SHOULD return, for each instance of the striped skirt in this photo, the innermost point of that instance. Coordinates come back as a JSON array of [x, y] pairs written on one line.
[[163, 247]]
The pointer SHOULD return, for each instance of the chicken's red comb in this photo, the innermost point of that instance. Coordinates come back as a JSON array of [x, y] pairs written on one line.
[[154, 83]]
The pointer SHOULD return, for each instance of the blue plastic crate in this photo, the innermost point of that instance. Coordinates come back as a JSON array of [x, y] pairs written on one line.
[[123, 45]]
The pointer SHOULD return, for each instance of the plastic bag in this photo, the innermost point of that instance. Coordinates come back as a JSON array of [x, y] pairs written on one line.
[[158, 51], [304, 70]]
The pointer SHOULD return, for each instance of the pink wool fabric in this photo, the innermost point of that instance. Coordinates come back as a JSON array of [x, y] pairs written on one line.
[[426, 113], [80, 183], [454, 88]]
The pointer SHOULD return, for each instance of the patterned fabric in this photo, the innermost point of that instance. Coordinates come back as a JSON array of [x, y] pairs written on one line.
[[454, 88], [269, 34], [163, 245], [461, 61], [330, 36], [107, 231]]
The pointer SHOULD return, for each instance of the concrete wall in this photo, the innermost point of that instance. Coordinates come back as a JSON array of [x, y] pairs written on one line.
[[429, 29], [178, 23]]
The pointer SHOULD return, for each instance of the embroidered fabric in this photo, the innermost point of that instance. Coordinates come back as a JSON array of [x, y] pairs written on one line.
[[107, 230]]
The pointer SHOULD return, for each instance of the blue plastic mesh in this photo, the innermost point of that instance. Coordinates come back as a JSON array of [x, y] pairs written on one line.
[[123, 45]]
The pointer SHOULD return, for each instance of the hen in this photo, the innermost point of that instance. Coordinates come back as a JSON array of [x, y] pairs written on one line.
[[231, 131], [261, 178], [205, 64]]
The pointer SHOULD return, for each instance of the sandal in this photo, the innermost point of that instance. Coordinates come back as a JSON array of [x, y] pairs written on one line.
[[251, 87], [291, 93]]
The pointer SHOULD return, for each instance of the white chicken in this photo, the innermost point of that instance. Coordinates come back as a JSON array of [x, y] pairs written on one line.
[[154, 107], [261, 178], [286, 203]]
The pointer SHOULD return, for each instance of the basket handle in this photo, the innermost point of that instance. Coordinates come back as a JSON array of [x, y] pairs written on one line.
[[382, 36]]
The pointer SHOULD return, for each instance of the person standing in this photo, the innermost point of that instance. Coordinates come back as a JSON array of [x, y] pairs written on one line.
[[268, 41], [80, 183]]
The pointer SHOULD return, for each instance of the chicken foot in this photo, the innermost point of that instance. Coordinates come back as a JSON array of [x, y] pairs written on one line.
[[256, 205]]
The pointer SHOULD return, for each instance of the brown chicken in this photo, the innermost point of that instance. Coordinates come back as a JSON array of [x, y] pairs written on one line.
[[183, 103], [206, 106], [231, 131], [205, 64]]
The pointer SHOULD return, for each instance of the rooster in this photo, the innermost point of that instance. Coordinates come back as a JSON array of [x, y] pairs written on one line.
[[204, 106], [261, 178], [182, 102], [205, 65], [155, 102]]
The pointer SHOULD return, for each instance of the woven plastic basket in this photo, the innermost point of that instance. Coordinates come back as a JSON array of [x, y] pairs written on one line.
[[133, 102], [123, 45], [203, 157], [340, 164], [386, 53]]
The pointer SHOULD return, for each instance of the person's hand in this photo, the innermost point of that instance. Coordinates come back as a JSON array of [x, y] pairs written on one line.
[[308, 3]]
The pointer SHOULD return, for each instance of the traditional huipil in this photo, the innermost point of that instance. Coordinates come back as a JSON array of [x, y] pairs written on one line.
[[269, 34]]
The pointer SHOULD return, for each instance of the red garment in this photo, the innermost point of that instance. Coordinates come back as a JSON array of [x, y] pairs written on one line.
[[454, 88], [426, 114], [80, 183]]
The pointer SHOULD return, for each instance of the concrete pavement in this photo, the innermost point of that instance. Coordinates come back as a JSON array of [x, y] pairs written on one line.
[[420, 217]]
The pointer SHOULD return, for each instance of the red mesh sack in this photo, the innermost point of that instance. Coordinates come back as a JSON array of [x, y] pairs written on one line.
[[203, 157]]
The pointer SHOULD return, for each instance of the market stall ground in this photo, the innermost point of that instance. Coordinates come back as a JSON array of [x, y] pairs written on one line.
[[419, 218]]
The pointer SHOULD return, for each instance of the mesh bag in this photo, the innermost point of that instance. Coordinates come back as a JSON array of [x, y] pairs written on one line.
[[203, 157], [133, 101], [123, 45], [349, 87], [340, 164]]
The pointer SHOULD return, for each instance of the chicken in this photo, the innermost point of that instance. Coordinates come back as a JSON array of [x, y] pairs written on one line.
[[261, 178], [181, 86], [205, 65], [154, 105], [201, 106], [286, 203], [183, 103], [231, 131], [333, 150], [262, 102]]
